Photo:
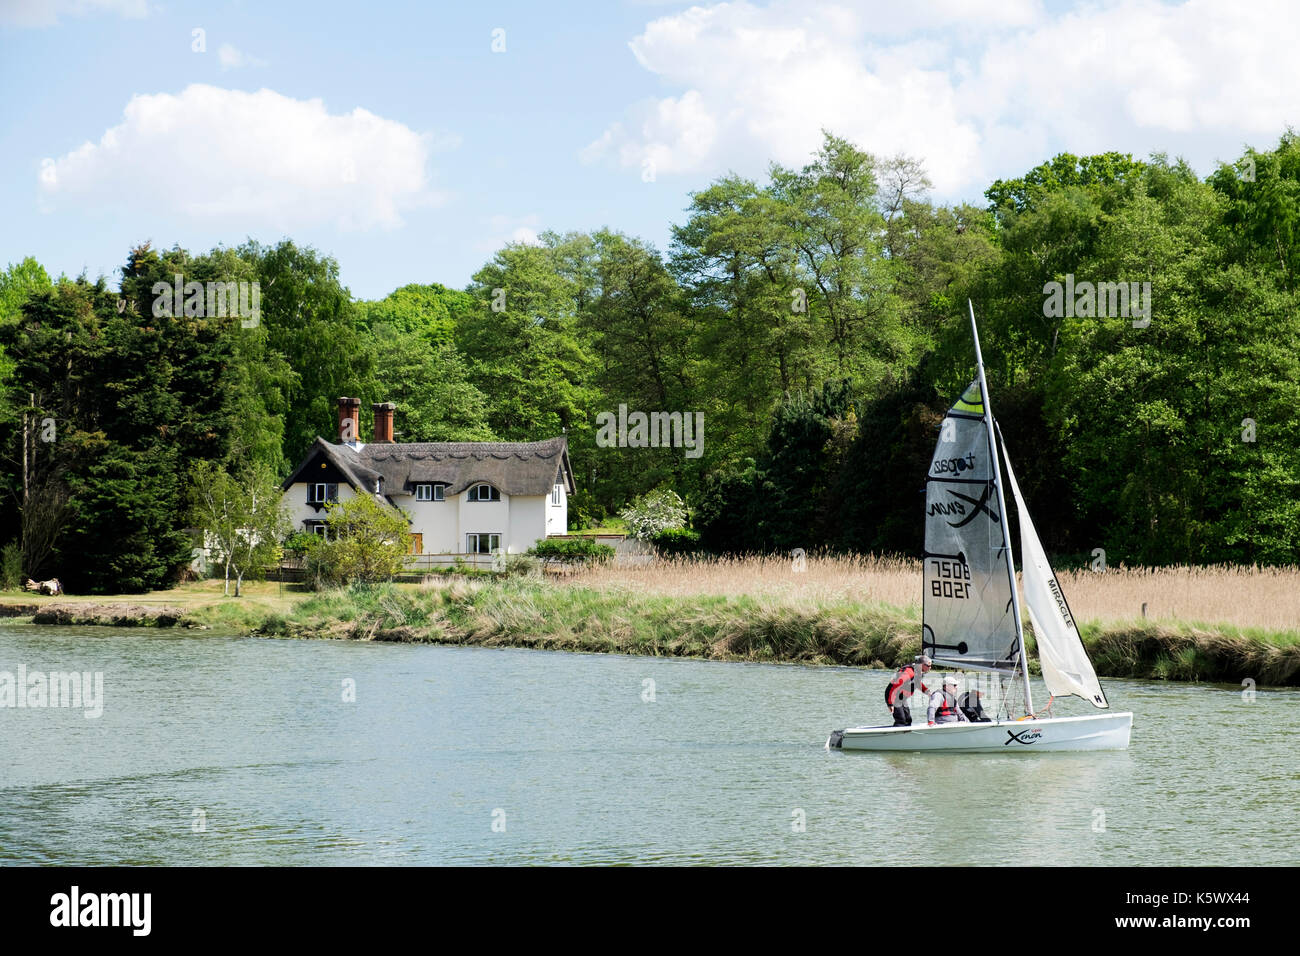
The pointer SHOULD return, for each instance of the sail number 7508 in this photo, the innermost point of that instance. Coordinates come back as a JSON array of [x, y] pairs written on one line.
[[953, 580]]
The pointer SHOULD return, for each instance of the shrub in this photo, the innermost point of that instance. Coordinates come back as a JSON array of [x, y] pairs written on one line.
[[298, 543], [366, 543], [654, 512], [571, 549], [521, 565], [677, 541], [11, 566]]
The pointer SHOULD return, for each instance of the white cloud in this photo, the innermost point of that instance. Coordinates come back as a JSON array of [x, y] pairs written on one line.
[[250, 159], [44, 13], [973, 87], [503, 229], [676, 134], [231, 58]]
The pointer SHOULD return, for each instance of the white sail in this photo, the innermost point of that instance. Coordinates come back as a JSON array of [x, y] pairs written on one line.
[[969, 620], [971, 611], [1066, 667]]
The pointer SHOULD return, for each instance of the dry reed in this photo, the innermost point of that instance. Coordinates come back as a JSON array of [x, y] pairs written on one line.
[[859, 578], [1243, 597]]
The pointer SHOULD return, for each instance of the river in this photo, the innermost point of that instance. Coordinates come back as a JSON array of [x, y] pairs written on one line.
[[232, 751]]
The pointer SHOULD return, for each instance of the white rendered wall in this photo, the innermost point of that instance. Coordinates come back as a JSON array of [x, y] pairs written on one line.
[[527, 522], [482, 517], [299, 511], [437, 521]]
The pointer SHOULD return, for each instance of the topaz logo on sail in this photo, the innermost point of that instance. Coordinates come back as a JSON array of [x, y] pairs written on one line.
[[1102, 300], [954, 465]]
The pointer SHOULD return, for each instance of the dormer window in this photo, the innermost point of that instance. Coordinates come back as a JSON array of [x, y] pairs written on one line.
[[427, 492], [484, 492]]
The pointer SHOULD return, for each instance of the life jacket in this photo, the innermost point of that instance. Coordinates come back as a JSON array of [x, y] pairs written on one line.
[[902, 686], [948, 708]]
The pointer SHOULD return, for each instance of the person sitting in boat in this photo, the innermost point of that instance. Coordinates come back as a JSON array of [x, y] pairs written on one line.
[[901, 688], [943, 705], [970, 705]]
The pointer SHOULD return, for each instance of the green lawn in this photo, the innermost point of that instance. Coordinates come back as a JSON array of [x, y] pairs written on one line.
[[266, 595]]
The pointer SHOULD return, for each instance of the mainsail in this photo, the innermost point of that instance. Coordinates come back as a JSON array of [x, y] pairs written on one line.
[[969, 620], [1066, 667]]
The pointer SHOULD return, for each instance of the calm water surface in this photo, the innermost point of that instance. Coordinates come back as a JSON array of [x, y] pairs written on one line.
[[561, 748]]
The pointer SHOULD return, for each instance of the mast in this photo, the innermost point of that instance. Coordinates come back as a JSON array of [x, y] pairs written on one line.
[[1002, 507]]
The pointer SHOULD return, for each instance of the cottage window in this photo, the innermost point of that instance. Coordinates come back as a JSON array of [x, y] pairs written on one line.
[[556, 496], [424, 492], [482, 543], [484, 492], [322, 492], [439, 492]]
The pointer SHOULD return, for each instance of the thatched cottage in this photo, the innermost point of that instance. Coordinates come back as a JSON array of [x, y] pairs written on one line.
[[462, 498]]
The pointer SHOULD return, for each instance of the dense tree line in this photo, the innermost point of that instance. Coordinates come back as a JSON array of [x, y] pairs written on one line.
[[815, 319]]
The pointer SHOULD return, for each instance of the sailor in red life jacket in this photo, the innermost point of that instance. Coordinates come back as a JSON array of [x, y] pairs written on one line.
[[943, 705], [901, 689]]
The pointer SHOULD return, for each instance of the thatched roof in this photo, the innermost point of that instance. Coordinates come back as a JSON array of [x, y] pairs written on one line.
[[513, 468]]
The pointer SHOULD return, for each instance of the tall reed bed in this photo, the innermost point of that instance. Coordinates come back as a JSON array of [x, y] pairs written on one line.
[[1258, 598], [857, 578]]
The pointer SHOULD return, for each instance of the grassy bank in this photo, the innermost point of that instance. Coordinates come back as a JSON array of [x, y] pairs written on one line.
[[570, 617], [839, 611], [194, 603], [561, 616]]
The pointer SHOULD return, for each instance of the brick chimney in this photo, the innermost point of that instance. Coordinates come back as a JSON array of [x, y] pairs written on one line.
[[383, 422], [349, 420]]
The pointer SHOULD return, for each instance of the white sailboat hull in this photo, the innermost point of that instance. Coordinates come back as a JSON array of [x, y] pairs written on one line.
[[1092, 732]]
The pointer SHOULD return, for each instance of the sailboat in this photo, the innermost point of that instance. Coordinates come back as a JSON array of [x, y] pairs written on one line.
[[971, 610]]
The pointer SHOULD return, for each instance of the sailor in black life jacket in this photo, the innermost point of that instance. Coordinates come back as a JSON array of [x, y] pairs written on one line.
[[943, 705], [971, 706], [900, 690]]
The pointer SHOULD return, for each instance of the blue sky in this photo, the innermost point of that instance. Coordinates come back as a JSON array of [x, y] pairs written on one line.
[[394, 138]]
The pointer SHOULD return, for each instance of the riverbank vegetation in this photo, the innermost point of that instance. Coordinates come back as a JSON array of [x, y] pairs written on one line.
[[773, 627], [848, 611]]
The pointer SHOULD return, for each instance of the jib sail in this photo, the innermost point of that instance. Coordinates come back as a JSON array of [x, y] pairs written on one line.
[[1066, 667]]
